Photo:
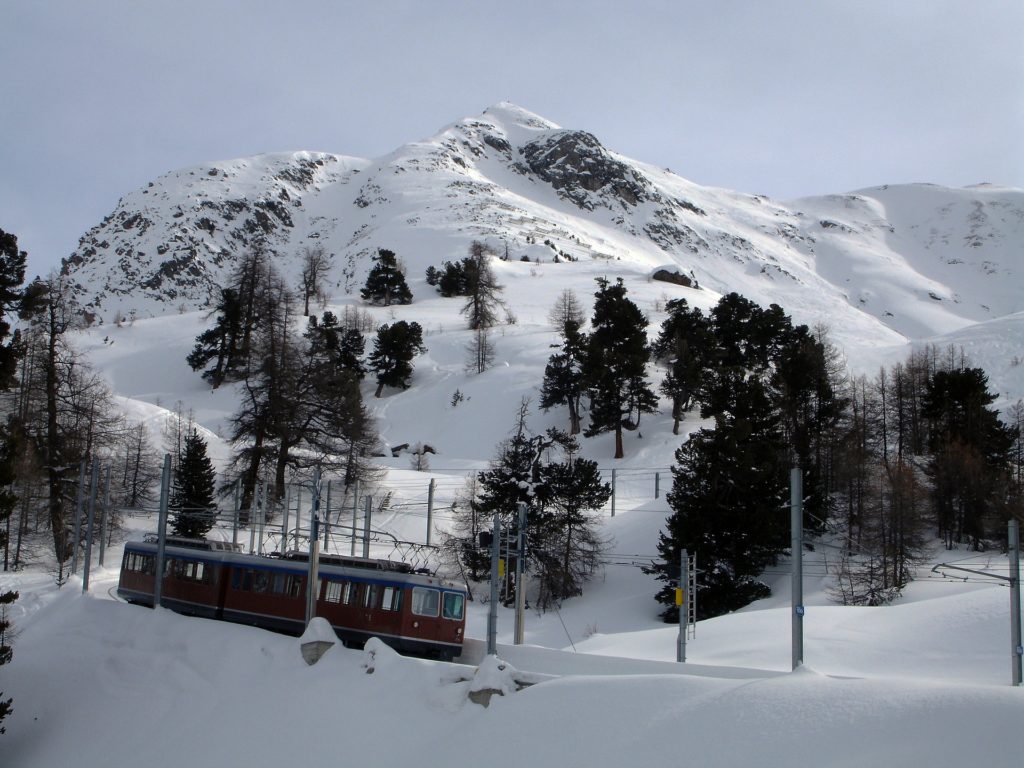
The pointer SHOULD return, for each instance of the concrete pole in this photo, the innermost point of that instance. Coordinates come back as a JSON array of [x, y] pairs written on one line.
[[237, 511], [298, 515], [520, 628], [796, 510], [284, 518], [684, 604], [94, 488], [106, 516], [430, 509], [161, 530], [492, 613], [313, 582], [355, 515], [613, 493], [77, 536], [327, 515], [366, 527], [1016, 651]]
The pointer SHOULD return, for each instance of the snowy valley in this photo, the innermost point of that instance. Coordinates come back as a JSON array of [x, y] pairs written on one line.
[[886, 270]]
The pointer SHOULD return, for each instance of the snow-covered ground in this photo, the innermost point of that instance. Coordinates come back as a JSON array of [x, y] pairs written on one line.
[[924, 682]]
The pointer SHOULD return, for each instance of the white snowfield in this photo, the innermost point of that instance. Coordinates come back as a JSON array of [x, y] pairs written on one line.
[[924, 682]]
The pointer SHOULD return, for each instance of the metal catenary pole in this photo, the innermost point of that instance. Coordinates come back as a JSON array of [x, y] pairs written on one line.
[[683, 601], [298, 515], [430, 509], [796, 521], [520, 628], [327, 516], [161, 542], [366, 527], [492, 612], [77, 535], [104, 528], [313, 580], [236, 508], [355, 516], [613, 493], [657, 484], [94, 487], [284, 518], [1016, 650]]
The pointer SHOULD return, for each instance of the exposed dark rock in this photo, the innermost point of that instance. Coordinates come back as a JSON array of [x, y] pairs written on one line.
[[574, 163]]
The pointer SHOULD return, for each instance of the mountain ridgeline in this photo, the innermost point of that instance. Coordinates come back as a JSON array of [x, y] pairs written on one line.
[[900, 262]]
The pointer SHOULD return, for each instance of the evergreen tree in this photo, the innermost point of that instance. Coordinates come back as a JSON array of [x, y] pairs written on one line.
[[450, 280], [393, 350], [9, 451], [728, 507], [569, 545], [335, 345], [616, 364], [193, 497], [970, 453], [386, 284], [564, 376], [481, 288], [220, 343], [686, 345]]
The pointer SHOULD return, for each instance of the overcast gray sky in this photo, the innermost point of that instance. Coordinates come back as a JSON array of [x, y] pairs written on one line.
[[782, 98]]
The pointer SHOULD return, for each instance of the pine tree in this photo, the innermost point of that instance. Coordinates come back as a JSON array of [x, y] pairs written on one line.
[[970, 453], [569, 545], [386, 284], [564, 375], [616, 364], [9, 451], [728, 507], [686, 345], [393, 350], [193, 496], [481, 288], [221, 342]]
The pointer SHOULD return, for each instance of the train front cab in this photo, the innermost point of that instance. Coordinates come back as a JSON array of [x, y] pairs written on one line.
[[436, 616]]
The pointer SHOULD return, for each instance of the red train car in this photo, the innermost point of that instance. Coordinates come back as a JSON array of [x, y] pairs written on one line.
[[409, 610]]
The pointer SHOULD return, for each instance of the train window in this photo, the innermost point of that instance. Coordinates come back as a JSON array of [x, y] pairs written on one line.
[[348, 593], [370, 595], [260, 581], [425, 601], [277, 585], [391, 600], [333, 593], [453, 606], [293, 586]]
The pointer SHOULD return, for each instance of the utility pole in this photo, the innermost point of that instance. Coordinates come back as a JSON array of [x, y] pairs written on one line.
[[683, 601], [313, 580], [94, 488], [1016, 650], [327, 516], [430, 509], [492, 613], [237, 510], [520, 627], [613, 493], [355, 515], [796, 521], [78, 517], [161, 541], [106, 516], [366, 527], [284, 518]]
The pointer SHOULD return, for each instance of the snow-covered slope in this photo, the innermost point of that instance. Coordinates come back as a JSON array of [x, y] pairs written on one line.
[[879, 266]]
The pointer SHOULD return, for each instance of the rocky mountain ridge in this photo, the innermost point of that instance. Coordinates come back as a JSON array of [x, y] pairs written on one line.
[[913, 261]]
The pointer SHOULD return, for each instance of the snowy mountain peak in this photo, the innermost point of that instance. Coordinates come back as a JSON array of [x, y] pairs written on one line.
[[887, 263]]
